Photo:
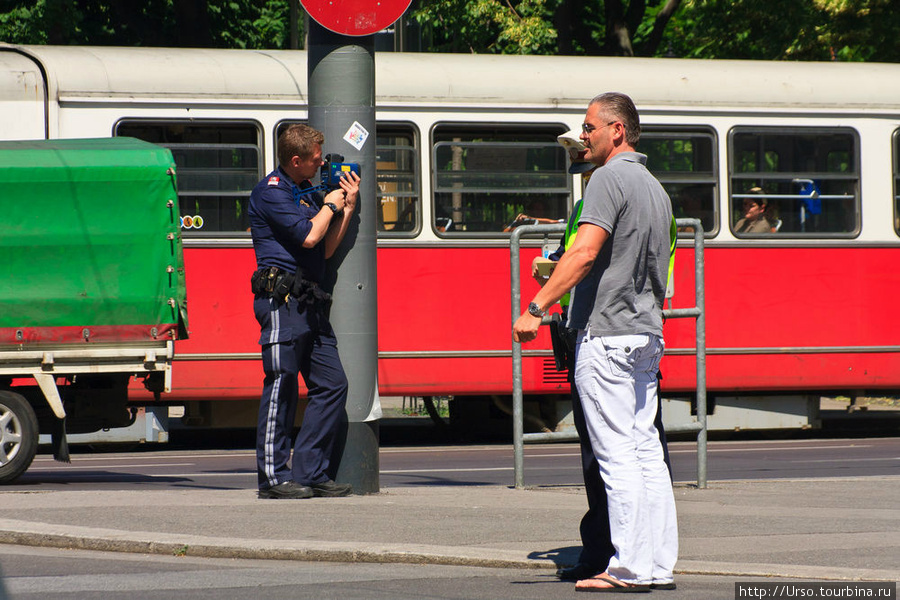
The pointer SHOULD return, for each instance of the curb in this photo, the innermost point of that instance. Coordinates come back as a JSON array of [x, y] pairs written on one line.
[[24, 533]]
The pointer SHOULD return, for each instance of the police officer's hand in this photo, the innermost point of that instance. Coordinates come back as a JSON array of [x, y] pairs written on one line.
[[337, 197], [350, 186], [526, 328]]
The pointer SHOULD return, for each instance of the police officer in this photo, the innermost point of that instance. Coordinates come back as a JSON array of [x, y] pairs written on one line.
[[294, 231]]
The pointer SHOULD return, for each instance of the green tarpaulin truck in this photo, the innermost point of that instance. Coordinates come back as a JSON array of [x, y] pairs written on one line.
[[92, 291]]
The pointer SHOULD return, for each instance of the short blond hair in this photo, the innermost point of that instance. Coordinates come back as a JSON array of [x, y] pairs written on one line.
[[298, 140]]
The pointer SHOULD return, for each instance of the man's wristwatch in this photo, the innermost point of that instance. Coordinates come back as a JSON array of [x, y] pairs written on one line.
[[334, 209], [535, 311]]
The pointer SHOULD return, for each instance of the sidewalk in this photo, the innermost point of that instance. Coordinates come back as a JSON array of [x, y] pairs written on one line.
[[824, 529]]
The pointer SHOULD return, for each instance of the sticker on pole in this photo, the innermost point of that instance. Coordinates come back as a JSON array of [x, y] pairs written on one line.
[[356, 135], [355, 17]]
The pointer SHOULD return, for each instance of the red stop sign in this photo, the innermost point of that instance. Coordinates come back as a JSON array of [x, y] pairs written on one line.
[[355, 17]]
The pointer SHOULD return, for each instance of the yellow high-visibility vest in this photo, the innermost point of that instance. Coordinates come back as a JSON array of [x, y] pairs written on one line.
[[572, 230], [568, 240]]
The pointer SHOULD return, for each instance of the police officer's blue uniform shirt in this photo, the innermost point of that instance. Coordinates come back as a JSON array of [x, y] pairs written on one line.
[[280, 213]]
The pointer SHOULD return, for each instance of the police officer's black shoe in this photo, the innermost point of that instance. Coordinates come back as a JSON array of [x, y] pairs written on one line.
[[287, 489], [330, 489], [577, 572]]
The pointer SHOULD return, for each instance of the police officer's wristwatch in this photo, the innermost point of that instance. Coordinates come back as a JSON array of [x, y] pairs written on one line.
[[334, 209], [535, 311]]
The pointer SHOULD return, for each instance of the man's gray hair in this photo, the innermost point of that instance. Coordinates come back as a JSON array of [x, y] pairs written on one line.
[[620, 107]]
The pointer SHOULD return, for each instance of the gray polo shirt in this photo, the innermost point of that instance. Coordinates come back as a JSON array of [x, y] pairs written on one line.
[[624, 291]]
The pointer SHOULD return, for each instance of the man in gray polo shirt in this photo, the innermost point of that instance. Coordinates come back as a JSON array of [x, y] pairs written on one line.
[[618, 266]]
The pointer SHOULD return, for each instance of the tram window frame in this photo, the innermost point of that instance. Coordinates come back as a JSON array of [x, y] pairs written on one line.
[[190, 227], [786, 185], [414, 196], [896, 165], [699, 183], [381, 128], [501, 137]]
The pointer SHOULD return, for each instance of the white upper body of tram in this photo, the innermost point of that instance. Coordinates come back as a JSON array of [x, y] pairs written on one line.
[[71, 92]]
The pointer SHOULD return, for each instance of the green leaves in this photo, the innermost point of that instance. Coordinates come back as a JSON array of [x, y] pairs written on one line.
[[20, 25], [177, 23], [777, 30], [490, 26], [849, 30], [544, 26]]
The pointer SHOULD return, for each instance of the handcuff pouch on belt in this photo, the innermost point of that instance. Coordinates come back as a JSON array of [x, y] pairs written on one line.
[[272, 282]]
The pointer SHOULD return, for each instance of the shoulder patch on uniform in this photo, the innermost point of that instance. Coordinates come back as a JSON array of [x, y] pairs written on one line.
[[274, 180]]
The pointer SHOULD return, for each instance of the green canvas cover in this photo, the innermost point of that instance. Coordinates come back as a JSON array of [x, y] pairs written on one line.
[[90, 249]]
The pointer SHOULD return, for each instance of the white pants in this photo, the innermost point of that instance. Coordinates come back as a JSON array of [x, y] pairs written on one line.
[[616, 378]]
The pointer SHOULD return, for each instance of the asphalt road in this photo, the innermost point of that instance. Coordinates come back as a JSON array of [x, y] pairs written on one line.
[[552, 464], [83, 575]]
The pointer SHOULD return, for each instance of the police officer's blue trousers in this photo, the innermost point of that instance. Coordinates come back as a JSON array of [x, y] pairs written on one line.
[[295, 342]]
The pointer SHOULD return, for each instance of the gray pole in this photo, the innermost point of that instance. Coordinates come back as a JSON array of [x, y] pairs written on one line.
[[341, 93]]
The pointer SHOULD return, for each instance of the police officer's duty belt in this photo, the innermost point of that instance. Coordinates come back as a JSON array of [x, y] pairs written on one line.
[[272, 282]]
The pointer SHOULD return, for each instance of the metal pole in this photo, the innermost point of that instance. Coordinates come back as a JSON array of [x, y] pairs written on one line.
[[342, 97], [516, 304], [701, 353], [518, 409]]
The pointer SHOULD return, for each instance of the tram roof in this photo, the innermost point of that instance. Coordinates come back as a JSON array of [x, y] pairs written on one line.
[[428, 79]]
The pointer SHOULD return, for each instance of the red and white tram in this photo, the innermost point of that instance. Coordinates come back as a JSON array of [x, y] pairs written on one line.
[[466, 142]]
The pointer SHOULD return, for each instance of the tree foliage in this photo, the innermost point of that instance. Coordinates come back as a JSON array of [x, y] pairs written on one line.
[[179, 23], [612, 27], [749, 29], [797, 30]]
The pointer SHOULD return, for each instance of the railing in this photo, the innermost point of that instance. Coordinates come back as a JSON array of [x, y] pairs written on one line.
[[698, 312]]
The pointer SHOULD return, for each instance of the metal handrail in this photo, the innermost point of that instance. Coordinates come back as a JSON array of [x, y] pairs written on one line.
[[698, 312]]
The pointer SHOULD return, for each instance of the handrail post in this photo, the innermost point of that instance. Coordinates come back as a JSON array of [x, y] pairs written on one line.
[[518, 402], [698, 312], [516, 304], [700, 301]]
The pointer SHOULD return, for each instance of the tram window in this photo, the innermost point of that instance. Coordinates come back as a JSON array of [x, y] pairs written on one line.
[[897, 181], [397, 172], [397, 164], [485, 176], [685, 162], [803, 181], [217, 165]]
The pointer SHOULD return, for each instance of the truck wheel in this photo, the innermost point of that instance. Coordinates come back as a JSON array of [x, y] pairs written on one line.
[[18, 436]]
